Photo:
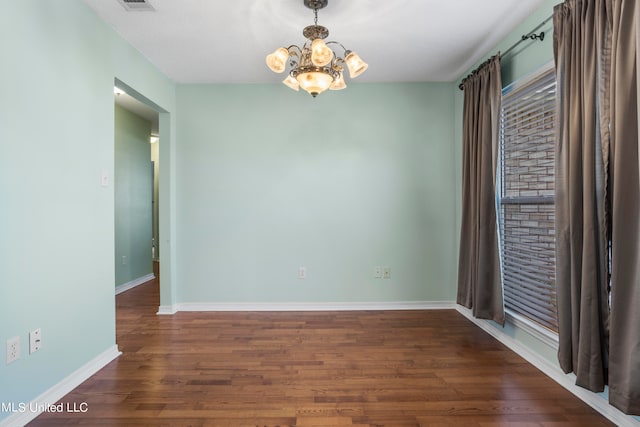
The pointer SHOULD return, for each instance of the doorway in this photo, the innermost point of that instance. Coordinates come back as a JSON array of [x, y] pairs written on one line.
[[136, 190], [164, 200]]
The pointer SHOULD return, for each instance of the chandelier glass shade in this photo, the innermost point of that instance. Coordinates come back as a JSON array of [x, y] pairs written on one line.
[[315, 67]]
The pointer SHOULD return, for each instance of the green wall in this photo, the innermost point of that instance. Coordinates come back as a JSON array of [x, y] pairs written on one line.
[[270, 180], [155, 158], [133, 185], [59, 62]]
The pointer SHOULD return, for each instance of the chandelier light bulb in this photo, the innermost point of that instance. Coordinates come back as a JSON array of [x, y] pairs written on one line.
[[338, 83], [277, 61], [291, 82], [314, 82], [356, 65], [321, 55]]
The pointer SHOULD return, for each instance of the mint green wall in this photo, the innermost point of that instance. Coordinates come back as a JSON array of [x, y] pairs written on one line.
[[59, 62], [530, 55], [133, 185], [270, 180], [155, 158]]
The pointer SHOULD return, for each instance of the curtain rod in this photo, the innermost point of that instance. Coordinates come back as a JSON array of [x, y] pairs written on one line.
[[531, 36]]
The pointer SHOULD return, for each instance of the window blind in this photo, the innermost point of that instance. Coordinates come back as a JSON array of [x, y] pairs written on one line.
[[526, 198]]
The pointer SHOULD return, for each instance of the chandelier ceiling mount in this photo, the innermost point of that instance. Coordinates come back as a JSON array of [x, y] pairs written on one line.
[[315, 31]]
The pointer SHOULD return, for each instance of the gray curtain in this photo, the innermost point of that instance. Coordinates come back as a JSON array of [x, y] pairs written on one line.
[[479, 280], [581, 232], [598, 197], [624, 358]]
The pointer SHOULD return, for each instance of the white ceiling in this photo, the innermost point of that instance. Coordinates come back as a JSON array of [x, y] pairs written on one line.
[[226, 41]]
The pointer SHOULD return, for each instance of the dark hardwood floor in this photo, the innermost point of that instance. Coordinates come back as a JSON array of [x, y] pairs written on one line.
[[365, 368]]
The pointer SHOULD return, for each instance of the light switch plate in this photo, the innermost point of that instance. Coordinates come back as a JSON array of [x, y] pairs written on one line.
[[35, 340]]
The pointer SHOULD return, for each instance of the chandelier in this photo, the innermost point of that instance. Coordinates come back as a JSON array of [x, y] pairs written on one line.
[[315, 67]]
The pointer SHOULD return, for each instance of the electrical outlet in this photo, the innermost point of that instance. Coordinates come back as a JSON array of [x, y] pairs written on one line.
[[386, 272], [35, 340], [377, 272], [124, 260], [302, 272], [13, 349]]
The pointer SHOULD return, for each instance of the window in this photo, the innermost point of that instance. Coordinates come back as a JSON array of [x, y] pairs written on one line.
[[526, 198]]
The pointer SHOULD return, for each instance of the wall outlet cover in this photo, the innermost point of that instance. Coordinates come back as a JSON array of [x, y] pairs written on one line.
[[13, 349]]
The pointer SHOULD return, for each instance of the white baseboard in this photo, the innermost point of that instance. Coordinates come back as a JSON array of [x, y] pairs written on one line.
[[136, 282], [167, 309], [594, 400], [301, 306], [58, 391]]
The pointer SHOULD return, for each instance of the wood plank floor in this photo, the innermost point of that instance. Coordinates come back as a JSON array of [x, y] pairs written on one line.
[[371, 368]]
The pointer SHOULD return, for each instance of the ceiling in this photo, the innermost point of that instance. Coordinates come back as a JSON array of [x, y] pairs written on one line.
[[226, 41]]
